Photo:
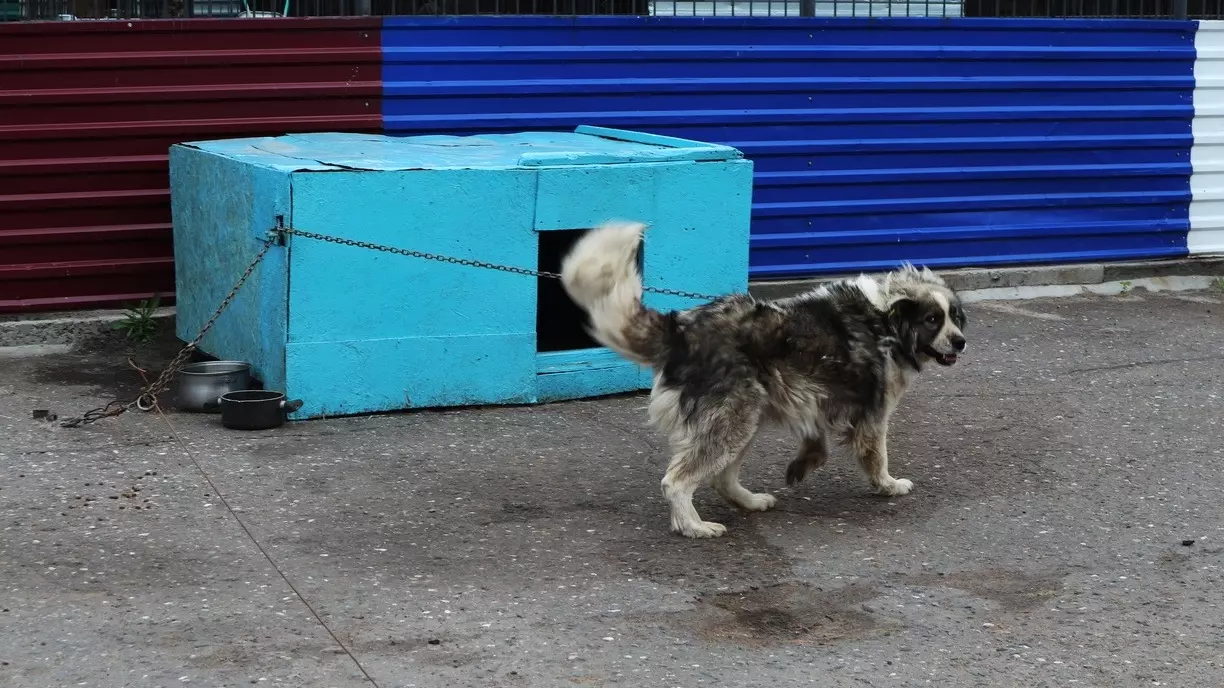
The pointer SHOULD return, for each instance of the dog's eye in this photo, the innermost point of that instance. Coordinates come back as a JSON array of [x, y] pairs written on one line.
[[932, 319]]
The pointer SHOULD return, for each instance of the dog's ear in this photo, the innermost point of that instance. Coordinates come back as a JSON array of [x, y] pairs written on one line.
[[901, 307], [901, 315]]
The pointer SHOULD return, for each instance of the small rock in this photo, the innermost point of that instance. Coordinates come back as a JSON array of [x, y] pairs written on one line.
[[435, 641], [1187, 543]]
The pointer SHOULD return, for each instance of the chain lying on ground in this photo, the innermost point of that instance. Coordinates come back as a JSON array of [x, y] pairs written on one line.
[[114, 408], [147, 400]]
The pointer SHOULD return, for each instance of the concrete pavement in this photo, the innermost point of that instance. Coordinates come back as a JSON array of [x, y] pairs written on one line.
[[1066, 529]]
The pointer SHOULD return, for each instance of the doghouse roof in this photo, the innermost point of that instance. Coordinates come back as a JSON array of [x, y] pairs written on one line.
[[324, 152]]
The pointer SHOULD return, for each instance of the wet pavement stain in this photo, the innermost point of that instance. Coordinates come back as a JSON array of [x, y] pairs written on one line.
[[1011, 590], [107, 368], [787, 613], [105, 377]]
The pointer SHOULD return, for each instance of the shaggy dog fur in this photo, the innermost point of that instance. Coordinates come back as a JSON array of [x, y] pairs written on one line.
[[832, 362]]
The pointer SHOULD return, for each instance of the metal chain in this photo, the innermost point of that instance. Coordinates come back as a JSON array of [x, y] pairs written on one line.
[[467, 261], [114, 408], [148, 396], [147, 400]]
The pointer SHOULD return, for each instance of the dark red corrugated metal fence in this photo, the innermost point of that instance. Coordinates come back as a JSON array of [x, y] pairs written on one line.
[[88, 111]]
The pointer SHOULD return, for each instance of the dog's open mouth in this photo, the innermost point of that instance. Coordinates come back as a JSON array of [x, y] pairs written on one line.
[[941, 359]]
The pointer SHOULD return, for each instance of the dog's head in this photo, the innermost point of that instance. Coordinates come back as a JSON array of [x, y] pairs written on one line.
[[926, 315]]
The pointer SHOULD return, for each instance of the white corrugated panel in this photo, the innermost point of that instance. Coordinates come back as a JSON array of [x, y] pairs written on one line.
[[1207, 155]]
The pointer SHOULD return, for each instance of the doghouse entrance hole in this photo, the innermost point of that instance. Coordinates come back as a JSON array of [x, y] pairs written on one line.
[[560, 323]]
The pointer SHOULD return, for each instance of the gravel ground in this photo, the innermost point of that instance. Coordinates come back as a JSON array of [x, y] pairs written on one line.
[[1066, 529]]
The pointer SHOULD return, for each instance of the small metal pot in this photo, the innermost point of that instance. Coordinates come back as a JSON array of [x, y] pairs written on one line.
[[254, 409], [201, 383]]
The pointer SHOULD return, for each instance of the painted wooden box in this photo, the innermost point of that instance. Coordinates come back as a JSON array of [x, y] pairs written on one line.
[[352, 330]]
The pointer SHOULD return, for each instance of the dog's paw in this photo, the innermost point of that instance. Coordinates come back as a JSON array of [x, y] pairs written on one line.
[[759, 502], [895, 488], [796, 471], [702, 529]]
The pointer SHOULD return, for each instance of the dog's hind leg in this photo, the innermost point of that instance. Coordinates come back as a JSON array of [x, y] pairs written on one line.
[[870, 443], [728, 485], [691, 467], [813, 453], [701, 455]]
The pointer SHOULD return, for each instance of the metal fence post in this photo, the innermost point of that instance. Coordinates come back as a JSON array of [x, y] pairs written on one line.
[[807, 8], [1179, 9]]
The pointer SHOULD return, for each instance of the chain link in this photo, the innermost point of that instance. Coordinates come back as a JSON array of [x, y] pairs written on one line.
[[148, 396], [467, 261]]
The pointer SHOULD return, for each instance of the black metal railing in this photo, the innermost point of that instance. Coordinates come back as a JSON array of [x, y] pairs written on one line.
[[70, 10]]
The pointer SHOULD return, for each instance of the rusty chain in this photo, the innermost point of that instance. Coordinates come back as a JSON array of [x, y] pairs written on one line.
[[147, 400], [467, 261]]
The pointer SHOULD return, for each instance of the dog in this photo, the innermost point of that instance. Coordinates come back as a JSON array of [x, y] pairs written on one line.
[[834, 361]]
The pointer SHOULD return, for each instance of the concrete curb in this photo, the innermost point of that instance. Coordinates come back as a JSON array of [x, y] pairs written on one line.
[[75, 328], [68, 328], [982, 281]]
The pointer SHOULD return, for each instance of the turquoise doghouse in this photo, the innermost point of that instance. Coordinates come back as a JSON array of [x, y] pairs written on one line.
[[352, 330]]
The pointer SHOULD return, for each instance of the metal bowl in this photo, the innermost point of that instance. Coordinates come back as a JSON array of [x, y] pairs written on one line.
[[205, 382]]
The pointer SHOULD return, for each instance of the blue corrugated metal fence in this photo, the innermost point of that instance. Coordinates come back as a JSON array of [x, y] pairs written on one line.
[[945, 142]]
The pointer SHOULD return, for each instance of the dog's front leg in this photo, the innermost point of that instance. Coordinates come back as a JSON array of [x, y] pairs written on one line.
[[813, 453], [870, 443]]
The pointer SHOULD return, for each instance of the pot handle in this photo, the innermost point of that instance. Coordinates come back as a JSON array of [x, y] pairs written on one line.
[[291, 406], [212, 404]]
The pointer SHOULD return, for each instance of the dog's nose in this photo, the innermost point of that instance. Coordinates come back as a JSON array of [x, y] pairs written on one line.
[[958, 343]]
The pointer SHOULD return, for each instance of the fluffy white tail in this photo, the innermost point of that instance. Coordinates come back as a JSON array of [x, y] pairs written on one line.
[[601, 275]]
